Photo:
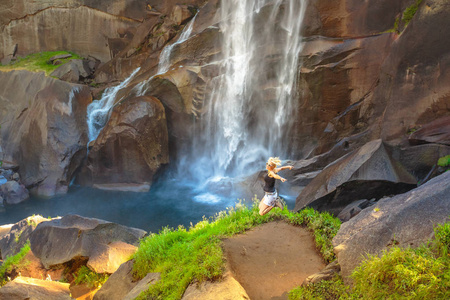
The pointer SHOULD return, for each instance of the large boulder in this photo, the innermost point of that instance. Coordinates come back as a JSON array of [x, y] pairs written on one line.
[[23, 288], [43, 128], [13, 192], [74, 70], [367, 173], [106, 245], [132, 146], [404, 220], [18, 235]]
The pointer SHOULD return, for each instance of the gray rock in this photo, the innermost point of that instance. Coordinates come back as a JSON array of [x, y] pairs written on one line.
[[23, 288], [326, 274], [353, 209], [143, 285], [118, 284], [369, 172], [13, 192], [57, 57], [73, 71], [106, 245], [17, 236], [15, 177], [404, 220]]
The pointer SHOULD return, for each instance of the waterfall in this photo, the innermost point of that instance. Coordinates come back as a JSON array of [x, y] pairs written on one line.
[[253, 101], [99, 110]]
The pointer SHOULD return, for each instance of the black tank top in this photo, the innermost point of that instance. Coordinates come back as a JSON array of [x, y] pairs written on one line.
[[269, 184]]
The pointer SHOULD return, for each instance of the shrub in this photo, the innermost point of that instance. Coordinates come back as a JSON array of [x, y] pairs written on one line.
[[410, 11]]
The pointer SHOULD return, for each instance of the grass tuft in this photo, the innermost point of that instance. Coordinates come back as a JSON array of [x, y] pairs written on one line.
[[398, 273], [410, 11], [89, 277], [37, 62], [13, 261], [183, 256]]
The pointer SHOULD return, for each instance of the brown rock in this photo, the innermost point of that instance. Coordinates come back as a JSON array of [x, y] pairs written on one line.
[[132, 146], [437, 131], [331, 270], [113, 20], [29, 288], [118, 284]]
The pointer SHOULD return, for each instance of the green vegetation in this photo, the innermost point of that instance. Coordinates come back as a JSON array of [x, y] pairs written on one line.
[[410, 11], [399, 273], [183, 256], [444, 161], [13, 261], [37, 62], [89, 277]]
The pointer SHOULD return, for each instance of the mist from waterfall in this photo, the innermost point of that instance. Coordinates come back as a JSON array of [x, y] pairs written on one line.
[[252, 104]]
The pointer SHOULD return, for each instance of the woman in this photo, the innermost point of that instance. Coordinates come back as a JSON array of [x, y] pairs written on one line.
[[270, 198]]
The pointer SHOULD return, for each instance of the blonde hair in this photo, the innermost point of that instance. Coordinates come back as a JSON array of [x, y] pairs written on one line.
[[274, 161]]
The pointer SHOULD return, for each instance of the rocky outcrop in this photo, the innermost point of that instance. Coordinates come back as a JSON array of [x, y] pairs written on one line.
[[75, 70], [18, 235], [367, 173], [404, 220], [132, 146], [36, 289], [43, 128], [106, 245]]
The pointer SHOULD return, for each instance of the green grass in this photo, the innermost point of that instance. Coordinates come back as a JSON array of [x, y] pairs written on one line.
[[13, 261], [410, 11], [37, 62], [89, 277], [398, 273], [183, 256]]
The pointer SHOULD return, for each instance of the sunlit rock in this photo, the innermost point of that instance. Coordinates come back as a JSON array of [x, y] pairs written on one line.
[[36, 289], [106, 245]]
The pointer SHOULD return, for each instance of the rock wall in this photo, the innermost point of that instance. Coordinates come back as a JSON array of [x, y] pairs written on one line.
[[43, 128]]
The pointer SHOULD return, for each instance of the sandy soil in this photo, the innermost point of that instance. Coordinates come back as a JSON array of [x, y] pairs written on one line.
[[270, 260]]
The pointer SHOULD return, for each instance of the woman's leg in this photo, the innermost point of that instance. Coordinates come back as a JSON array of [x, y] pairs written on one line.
[[264, 208]]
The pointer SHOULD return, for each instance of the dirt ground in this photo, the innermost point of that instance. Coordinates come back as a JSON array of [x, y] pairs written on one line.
[[270, 260]]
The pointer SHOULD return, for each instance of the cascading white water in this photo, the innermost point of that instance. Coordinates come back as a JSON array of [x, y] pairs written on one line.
[[164, 57], [243, 124], [98, 111]]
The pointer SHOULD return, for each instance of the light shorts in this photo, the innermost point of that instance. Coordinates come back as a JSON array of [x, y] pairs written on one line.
[[270, 198]]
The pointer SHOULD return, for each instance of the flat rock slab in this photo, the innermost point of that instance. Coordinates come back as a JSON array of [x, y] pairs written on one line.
[[23, 288], [272, 259]]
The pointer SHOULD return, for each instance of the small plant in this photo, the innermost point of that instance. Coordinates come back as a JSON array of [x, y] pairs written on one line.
[[444, 161], [89, 277], [376, 209], [325, 289], [410, 11], [13, 261]]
